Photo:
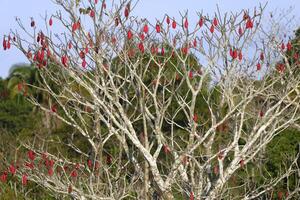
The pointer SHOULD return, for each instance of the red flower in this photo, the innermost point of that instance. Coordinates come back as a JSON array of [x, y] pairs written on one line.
[[174, 24], [24, 180], [31, 155]]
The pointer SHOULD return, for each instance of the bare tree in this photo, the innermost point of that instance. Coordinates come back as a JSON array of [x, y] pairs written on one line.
[[168, 110]]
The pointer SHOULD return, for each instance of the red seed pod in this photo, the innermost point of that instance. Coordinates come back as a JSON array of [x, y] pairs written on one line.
[[32, 24], [126, 12], [64, 60], [261, 113], [168, 20], [31, 155], [82, 55], [108, 159], [262, 57], [166, 149], [96, 1], [141, 47], [50, 172], [29, 165], [258, 66], [289, 46], [186, 23], [195, 117], [86, 49], [12, 169], [240, 31], [24, 180], [240, 56], [191, 75], [282, 46], [215, 21], [54, 108], [157, 27], [117, 21], [280, 67], [162, 52], [235, 54], [212, 28], [83, 64], [146, 28], [70, 189], [195, 43], [280, 195], [113, 40], [92, 13], [8, 44], [74, 174], [242, 163], [174, 24], [20, 86], [4, 44], [129, 34], [3, 177], [50, 21], [191, 196], [216, 169], [104, 5], [142, 36], [249, 24], [70, 45], [201, 22]]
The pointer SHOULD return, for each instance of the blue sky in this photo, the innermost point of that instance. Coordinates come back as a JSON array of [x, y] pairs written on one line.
[[150, 9]]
